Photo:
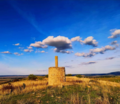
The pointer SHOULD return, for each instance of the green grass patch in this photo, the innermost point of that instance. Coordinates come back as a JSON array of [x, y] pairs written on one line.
[[73, 94]]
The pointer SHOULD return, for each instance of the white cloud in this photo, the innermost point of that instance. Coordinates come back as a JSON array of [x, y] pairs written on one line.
[[16, 53], [87, 63], [79, 54], [60, 42], [115, 34], [90, 54], [114, 42], [62, 51], [110, 58], [6, 52], [96, 51], [38, 44], [90, 41], [77, 38], [109, 48], [29, 47], [42, 51], [27, 50], [17, 44]]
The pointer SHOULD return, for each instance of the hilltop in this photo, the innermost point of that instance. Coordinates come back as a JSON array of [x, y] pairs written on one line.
[[74, 91]]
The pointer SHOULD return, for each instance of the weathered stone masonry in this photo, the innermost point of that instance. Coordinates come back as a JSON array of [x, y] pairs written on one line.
[[56, 74]]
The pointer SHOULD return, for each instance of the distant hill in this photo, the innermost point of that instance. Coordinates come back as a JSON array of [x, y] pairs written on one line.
[[97, 74], [102, 74]]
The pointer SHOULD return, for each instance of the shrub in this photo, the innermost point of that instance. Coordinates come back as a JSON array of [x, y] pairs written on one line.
[[15, 80], [40, 77], [7, 87], [94, 81], [79, 76], [46, 76], [69, 75], [32, 77]]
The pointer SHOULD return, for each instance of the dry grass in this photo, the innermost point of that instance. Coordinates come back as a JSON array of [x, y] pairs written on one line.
[[86, 84]]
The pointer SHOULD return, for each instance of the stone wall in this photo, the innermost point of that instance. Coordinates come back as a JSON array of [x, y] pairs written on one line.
[[56, 75]]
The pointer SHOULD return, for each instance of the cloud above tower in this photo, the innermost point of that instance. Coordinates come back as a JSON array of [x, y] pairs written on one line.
[[60, 42]]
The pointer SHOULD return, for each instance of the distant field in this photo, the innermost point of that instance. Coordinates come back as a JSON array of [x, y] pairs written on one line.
[[112, 79], [8, 79], [4, 80]]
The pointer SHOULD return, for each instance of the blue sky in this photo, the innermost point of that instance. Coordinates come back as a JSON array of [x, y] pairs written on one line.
[[85, 35]]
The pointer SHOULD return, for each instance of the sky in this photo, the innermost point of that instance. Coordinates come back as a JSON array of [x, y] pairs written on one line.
[[84, 34]]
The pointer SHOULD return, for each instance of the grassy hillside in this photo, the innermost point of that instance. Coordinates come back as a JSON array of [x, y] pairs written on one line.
[[73, 91]]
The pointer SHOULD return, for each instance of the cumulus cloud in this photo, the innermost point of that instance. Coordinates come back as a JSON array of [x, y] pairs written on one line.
[[87, 63], [60, 42], [110, 58], [17, 44], [90, 54], [79, 54], [62, 51], [16, 53], [6, 52], [27, 50], [42, 51], [115, 34], [96, 51], [38, 44], [114, 42], [77, 38], [90, 41], [29, 47], [109, 48]]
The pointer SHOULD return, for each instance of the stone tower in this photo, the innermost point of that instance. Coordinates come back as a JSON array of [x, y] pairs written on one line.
[[56, 74]]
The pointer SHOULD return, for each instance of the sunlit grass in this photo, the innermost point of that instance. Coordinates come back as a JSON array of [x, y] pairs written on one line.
[[84, 91]]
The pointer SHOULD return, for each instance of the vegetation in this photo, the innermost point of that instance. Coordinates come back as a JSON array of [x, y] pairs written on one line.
[[32, 77], [79, 76], [75, 91], [68, 75], [40, 77], [112, 79], [46, 76]]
